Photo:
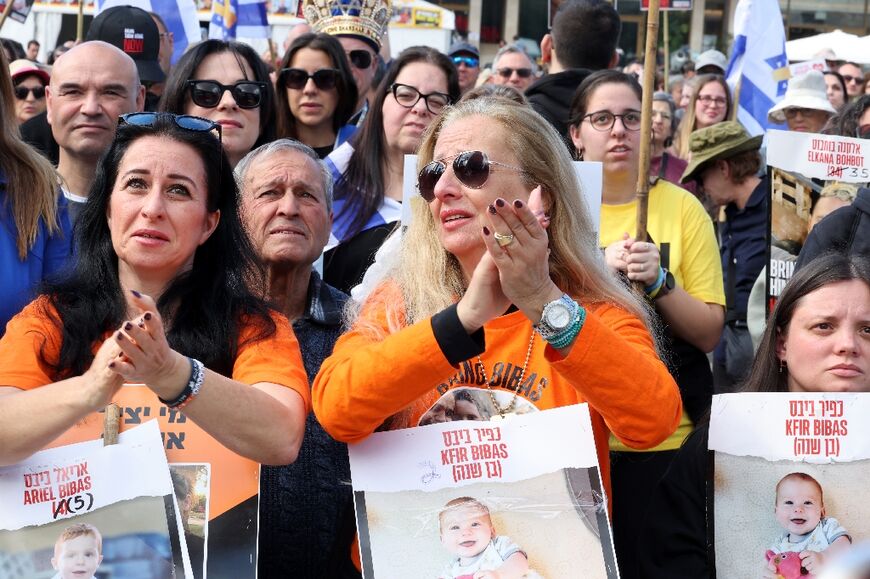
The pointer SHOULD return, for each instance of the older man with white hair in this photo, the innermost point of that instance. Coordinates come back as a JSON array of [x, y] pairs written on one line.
[[513, 67]]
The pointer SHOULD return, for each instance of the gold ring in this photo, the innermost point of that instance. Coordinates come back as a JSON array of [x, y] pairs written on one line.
[[503, 240]]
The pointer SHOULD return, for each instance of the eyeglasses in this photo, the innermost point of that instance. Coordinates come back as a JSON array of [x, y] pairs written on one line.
[[186, 122], [850, 78], [472, 168], [712, 100], [468, 61], [792, 112], [605, 120], [21, 92], [508, 72], [361, 59], [863, 132], [297, 78], [407, 96], [248, 94]]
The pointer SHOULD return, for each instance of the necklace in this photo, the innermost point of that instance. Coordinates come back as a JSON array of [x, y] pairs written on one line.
[[509, 409]]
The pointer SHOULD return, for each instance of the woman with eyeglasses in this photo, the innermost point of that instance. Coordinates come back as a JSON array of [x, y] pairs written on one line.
[[35, 229], [226, 82], [677, 265], [499, 268], [711, 103], [30, 81], [158, 296], [316, 93], [368, 168]]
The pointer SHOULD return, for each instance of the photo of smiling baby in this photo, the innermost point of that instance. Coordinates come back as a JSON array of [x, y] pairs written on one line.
[[800, 511], [467, 532]]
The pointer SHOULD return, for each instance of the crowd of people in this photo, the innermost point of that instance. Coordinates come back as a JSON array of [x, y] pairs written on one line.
[[200, 227]]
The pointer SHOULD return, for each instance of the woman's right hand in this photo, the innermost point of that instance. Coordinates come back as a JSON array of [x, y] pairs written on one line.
[[616, 254], [101, 381], [484, 298]]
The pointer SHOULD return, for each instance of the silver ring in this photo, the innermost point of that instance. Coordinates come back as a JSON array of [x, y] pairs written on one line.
[[503, 240]]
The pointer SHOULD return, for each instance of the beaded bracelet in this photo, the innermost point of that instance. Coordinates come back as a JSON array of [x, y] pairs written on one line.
[[191, 389], [564, 339]]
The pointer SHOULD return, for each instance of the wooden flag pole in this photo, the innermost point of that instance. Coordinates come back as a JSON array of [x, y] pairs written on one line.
[[80, 23], [111, 424], [6, 12], [667, 44], [649, 76]]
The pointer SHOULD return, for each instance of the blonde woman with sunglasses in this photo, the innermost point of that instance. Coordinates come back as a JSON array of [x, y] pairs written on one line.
[[500, 290]]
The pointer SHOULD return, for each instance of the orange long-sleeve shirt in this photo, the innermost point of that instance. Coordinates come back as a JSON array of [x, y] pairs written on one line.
[[612, 366]]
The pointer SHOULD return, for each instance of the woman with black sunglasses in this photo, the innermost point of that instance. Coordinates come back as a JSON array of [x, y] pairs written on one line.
[[499, 291], [316, 93], [368, 168], [228, 83], [30, 81]]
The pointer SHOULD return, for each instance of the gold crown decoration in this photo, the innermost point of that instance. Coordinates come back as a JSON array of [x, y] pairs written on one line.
[[365, 18]]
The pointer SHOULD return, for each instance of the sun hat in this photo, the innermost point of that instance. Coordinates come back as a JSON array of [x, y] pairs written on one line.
[[806, 91], [720, 141]]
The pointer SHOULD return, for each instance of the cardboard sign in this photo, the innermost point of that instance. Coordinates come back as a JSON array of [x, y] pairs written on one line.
[[537, 498], [774, 453], [668, 5], [86, 510]]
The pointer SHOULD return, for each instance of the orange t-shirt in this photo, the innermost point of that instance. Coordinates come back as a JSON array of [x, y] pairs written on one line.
[[612, 366]]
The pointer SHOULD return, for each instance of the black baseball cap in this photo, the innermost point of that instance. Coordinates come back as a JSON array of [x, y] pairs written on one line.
[[132, 30]]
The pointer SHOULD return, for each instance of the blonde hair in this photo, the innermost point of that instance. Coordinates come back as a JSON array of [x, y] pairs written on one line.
[[31, 181], [460, 502], [78, 530]]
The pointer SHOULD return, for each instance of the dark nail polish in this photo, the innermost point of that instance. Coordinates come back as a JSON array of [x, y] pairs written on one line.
[[141, 324], [147, 316], [120, 336], [128, 326], [485, 230], [111, 364], [135, 293], [492, 209], [518, 204], [499, 202]]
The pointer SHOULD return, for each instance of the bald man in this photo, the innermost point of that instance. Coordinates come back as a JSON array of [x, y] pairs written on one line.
[[91, 85]]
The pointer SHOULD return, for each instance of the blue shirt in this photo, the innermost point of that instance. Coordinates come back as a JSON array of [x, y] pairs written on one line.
[[20, 279]]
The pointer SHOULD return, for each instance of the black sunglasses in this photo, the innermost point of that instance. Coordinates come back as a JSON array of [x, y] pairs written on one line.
[[472, 168], [22, 91], [507, 72], [296, 78], [361, 59], [248, 94], [186, 122]]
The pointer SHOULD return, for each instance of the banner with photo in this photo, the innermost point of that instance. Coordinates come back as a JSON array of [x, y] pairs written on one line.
[[790, 475], [800, 166], [454, 499], [217, 490], [85, 510]]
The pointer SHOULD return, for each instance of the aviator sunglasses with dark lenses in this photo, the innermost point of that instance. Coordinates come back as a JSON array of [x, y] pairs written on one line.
[[361, 59], [21, 92], [207, 94], [186, 122], [472, 168], [296, 78], [508, 72]]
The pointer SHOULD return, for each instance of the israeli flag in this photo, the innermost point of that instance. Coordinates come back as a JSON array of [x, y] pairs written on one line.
[[757, 71], [238, 18], [178, 15]]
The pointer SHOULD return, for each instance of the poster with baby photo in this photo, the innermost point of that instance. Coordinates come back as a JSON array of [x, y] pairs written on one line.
[[811, 175], [514, 498], [790, 477], [87, 511]]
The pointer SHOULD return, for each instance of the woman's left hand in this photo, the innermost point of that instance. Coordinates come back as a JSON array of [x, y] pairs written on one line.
[[523, 263], [146, 355], [642, 259]]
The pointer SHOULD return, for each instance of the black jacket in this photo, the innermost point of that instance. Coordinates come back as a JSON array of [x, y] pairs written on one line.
[[552, 95], [846, 230]]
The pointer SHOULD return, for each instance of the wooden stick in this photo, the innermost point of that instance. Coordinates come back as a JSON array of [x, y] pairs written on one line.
[[111, 424], [80, 22], [273, 55], [649, 77], [6, 12], [667, 43]]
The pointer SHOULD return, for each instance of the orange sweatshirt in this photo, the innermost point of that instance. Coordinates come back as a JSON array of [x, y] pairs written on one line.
[[612, 366]]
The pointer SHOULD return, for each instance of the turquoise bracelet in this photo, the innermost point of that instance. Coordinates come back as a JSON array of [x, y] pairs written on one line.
[[651, 290], [565, 338]]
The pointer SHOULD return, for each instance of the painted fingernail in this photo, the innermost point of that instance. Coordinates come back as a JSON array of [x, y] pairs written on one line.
[[120, 354], [141, 324], [120, 336], [128, 326], [147, 316], [111, 364], [135, 293], [492, 209], [485, 230], [499, 202], [518, 204]]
